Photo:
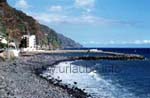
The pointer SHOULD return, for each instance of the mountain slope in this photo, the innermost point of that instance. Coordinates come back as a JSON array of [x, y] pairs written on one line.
[[51, 37], [63, 41], [14, 24], [67, 42]]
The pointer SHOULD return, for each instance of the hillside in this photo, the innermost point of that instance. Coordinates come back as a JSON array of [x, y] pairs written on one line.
[[55, 38], [67, 42], [14, 24]]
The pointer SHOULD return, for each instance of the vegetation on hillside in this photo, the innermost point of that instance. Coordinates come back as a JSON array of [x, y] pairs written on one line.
[[14, 24]]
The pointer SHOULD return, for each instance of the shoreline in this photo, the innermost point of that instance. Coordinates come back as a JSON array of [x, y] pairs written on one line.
[[74, 91], [20, 78]]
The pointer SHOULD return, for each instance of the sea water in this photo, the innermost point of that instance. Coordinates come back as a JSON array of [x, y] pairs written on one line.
[[106, 78]]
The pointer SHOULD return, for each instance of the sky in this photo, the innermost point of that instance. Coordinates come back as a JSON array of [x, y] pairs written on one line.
[[94, 23]]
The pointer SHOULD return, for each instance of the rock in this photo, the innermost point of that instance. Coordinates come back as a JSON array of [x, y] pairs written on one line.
[[18, 79], [2, 83], [1, 59], [75, 83], [9, 54]]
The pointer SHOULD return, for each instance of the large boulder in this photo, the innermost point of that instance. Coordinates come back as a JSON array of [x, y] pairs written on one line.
[[9, 54]]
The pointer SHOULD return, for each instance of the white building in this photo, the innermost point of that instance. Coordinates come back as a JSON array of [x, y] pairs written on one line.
[[30, 42]]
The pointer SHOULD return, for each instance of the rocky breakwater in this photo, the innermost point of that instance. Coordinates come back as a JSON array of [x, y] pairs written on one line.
[[111, 57]]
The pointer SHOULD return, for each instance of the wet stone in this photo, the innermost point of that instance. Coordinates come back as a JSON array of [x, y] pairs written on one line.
[[2, 83]]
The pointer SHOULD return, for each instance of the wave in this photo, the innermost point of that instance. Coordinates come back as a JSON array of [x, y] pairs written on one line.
[[92, 82]]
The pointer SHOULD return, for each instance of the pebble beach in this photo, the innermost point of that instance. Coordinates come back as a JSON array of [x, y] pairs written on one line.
[[18, 79]]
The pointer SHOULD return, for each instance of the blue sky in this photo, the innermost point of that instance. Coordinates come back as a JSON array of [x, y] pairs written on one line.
[[94, 23]]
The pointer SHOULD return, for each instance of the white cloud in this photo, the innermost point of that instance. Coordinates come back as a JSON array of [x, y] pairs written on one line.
[[64, 17], [49, 18], [146, 41], [56, 8], [60, 18], [141, 42], [138, 42], [85, 4], [91, 42], [22, 4], [112, 42]]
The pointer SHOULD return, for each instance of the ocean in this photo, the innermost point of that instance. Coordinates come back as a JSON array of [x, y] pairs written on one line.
[[107, 78]]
